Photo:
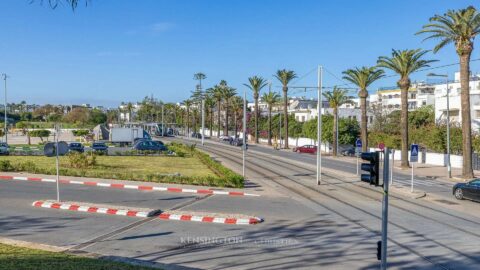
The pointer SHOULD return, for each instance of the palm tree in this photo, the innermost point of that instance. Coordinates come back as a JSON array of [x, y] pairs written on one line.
[[363, 77], [187, 104], [460, 27], [216, 93], [336, 98], [256, 85], [227, 94], [199, 76], [285, 76], [130, 110], [404, 63], [237, 108], [271, 98]]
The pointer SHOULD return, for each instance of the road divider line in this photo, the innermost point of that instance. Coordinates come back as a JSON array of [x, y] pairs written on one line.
[[125, 186], [93, 209]]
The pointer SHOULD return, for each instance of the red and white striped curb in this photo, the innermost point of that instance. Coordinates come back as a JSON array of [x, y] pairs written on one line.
[[210, 219], [90, 209], [125, 186]]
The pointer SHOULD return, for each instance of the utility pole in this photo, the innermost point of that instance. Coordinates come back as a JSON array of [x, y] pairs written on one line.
[[5, 123], [57, 163], [280, 129], [163, 123], [244, 146], [385, 209], [319, 126], [203, 121]]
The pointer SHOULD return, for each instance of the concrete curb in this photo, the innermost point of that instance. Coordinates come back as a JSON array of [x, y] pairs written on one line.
[[211, 219], [401, 191], [127, 186], [93, 209]]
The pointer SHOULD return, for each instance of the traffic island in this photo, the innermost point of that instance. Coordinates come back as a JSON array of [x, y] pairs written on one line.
[[97, 208], [233, 219], [404, 191]]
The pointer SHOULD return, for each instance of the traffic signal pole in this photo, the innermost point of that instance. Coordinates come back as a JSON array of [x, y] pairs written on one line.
[[385, 208]]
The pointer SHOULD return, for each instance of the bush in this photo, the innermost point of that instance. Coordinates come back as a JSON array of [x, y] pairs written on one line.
[[81, 160], [80, 132], [41, 133], [6, 166]]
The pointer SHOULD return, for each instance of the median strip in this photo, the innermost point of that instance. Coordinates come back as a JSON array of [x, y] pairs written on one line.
[[102, 209], [211, 218], [125, 186]]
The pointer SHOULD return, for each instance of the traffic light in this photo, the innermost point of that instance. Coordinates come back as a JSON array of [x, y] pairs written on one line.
[[373, 168], [379, 250]]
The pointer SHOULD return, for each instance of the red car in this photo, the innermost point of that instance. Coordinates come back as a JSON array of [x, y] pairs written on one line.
[[312, 149]]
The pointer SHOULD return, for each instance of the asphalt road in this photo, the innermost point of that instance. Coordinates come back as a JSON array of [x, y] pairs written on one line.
[[334, 226]]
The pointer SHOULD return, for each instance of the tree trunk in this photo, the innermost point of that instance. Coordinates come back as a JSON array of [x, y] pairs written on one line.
[[211, 121], [363, 120], [335, 127], [404, 84], [269, 125], [235, 123], [226, 119], [256, 117], [467, 170], [188, 123], [285, 112], [218, 117]]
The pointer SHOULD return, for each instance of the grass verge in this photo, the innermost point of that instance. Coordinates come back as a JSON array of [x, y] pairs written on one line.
[[13, 258], [190, 167]]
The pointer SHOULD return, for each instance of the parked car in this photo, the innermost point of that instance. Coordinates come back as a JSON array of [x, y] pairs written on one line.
[[469, 190], [150, 146], [76, 147], [225, 138], [311, 149], [349, 152], [236, 142], [99, 147], [196, 135], [4, 149]]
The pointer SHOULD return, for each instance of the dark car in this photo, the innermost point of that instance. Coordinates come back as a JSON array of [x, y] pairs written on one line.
[[236, 142], [349, 152], [469, 190], [311, 149], [76, 147], [99, 147], [196, 135], [4, 150], [149, 146]]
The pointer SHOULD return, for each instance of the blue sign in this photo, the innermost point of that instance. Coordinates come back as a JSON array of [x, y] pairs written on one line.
[[414, 153], [358, 143]]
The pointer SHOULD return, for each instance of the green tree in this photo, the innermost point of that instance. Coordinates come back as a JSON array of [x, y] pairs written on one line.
[[227, 94], [285, 76], [404, 63], [217, 95], [40, 133], [459, 27], [363, 77], [271, 98], [256, 84], [336, 98], [188, 104]]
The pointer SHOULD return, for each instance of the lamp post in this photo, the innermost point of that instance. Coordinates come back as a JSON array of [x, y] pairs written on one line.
[[449, 167], [5, 123]]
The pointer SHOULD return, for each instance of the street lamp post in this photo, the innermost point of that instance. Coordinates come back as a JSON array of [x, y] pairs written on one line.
[[449, 167], [5, 123]]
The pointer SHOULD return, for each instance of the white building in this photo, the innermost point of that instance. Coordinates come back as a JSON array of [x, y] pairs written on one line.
[[455, 101], [419, 94], [125, 114]]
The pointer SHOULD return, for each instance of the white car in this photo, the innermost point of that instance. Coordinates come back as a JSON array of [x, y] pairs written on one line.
[[225, 138]]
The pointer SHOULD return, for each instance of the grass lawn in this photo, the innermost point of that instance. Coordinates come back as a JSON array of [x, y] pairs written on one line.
[[13, 258], [118, 165]]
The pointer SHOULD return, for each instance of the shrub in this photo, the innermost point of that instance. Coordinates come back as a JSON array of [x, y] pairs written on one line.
[[80, 132], [81, 160], [41, 133], [6, 166]]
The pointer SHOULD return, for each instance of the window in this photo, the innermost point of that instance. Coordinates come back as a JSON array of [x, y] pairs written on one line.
[[424, 103], [477, 114], [303, 118]]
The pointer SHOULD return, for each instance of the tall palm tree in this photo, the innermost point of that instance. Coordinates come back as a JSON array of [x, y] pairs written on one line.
[[199, 76], [209, 106], [271, 98], [285, 76], [336, 98], [130, 110], [187, 104], [256, 84], [237, 109], [227, 94], [217, 95], [404, 63], [459, 27], [363, 77]]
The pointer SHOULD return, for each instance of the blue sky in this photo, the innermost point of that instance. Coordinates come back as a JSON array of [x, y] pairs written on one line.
[[119, 50]]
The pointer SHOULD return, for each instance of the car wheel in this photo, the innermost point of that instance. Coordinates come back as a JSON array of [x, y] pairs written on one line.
[[459, 194]]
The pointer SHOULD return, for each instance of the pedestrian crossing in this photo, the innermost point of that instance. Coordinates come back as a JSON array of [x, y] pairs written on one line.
[[403, 181]]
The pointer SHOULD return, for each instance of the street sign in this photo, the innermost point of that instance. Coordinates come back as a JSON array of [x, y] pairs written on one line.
[[414, 153], [381, 146], [358, 143]]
